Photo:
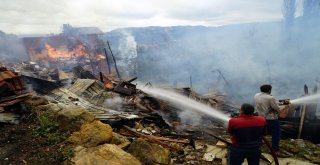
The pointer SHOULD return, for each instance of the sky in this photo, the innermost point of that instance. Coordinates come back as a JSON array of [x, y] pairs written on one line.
[[45, 16]]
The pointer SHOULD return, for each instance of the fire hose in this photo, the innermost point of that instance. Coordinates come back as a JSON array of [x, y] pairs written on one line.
[[275, 158]]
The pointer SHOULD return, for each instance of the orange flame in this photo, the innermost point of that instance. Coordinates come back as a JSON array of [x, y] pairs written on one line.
[[63, 52], [100, 57]]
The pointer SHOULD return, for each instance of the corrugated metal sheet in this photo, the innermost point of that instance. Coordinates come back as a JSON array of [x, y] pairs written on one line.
[[12, 98], [10, 80], [81, 85], [5, 75]]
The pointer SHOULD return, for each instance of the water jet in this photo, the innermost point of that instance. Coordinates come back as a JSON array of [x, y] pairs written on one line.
[[184, 103]]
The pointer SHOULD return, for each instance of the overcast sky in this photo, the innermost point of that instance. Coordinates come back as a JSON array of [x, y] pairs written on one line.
[[47, 16]]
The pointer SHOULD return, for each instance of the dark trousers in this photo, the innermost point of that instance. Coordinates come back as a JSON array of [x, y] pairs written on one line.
[[237, 155], [273, 127]]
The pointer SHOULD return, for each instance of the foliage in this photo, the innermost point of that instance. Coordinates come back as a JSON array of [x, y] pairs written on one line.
[[61, 154], [46, 124], [48, 129], [50, 135]]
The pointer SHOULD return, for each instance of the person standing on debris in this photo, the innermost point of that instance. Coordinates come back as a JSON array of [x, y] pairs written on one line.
[[268, 108], [246, 132]]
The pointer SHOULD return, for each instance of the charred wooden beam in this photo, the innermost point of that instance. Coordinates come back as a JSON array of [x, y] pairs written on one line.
[[129, 81], [185, 141], [15, 100], [125, 88], [178, 135], [101, 77], [79, 72], [217, 137], [107, 59], [152, 139], [114, 60]]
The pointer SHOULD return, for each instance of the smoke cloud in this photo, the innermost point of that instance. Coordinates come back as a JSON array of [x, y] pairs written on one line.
[[247, 56], [11, 48], [115, 103]]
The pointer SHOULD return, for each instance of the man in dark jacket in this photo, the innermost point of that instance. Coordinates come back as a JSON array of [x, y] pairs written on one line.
[[246, 132]]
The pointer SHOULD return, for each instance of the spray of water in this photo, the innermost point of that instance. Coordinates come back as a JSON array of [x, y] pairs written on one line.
[[307, 99], [185, 103]]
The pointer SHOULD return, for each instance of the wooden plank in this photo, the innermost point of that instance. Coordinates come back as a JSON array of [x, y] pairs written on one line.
[[151, 139], [302, 120]]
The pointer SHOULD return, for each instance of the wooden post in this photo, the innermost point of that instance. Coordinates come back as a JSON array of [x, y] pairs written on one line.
[[108, 63], [101, 77], [303, 114], [114, 60]]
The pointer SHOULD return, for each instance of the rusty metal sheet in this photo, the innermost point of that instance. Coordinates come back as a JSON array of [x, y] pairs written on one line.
[[4, 75], [16, 97], [8, 103]]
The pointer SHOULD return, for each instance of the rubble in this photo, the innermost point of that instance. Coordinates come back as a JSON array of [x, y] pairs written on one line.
[[126, 87], [12, 95], [110, 121], [79, 72]]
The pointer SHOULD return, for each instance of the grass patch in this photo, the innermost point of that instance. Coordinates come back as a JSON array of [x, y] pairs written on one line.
[[61, 154], [48, 129], [53, 138]]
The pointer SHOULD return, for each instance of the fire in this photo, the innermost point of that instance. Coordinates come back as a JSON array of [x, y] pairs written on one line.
[[63, 52], [100, 57]]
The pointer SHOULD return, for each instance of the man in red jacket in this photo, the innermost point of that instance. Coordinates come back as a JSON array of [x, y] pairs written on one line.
[[246, 132]]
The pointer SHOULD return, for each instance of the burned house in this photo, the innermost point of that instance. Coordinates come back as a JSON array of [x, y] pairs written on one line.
[[74, 46]]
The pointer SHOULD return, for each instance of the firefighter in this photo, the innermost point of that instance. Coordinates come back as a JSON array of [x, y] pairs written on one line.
[[268, 108], [246, 132]]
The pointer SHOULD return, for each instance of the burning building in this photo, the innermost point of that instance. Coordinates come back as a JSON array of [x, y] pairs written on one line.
[[74, 46]]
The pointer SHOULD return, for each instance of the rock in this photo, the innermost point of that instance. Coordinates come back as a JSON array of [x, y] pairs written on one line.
[[222, 154], [213, 149], [119, 140], [191, 157], [221, 144], [35, 101], [106, 154], [92, 134], [145, 131], [149, 153], [199, 144], [54, 108], [71, 118], [290, 161], [208, 157]]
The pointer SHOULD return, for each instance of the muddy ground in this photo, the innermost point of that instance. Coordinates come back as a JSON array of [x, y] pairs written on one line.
[[19, 144]]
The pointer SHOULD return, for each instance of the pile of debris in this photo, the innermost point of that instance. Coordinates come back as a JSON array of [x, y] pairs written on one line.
[[109, 121], [12, 95]]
